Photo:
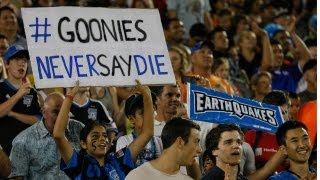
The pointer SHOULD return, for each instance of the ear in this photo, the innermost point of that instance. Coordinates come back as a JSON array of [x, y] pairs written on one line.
[[215, 152], [83, 144], [180, 143]]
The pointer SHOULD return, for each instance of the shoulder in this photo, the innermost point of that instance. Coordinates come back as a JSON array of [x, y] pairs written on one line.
[[25, 135], [215, 173], [75, 124], [285, 175]]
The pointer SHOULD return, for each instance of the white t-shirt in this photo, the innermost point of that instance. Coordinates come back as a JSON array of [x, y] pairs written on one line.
[[151, 151], [147, 171], [158, 126]]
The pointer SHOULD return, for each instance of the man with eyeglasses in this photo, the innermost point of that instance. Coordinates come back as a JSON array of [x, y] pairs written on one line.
[[34, 153]]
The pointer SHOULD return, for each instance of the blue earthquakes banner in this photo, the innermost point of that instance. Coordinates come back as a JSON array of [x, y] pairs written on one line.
[[216, 107]]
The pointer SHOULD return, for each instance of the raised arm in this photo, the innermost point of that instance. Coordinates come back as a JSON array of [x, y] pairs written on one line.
[[267, 53], [147, 126], [271, 166], [60, 126], [7, 106], [300, 46]]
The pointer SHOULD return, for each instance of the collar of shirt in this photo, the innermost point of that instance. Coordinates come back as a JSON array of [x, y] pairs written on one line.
[[43, 131], [158, 123]]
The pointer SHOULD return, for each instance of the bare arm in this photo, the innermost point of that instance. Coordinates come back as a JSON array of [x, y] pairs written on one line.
[[147, 126], [5, 164], [28, 119], [267, 53], [6, 107], [300, 46], [270, 166], [60, 126]]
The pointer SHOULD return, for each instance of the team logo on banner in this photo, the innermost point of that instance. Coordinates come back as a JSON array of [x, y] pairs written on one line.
[[217, 107]]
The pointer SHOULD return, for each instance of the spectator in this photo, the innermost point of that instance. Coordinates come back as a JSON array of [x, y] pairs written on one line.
[[85, 109], [294, 106], [180, 138], [294, 137], [34, 154], [134, 110], [261, 85], [209, 161], [9, 26], [94, 145], [19, 106], [310, 75], [225, 143], [202, 62], [5, 164], [168, 101], [179, 64], [4, 45], [174, 31]]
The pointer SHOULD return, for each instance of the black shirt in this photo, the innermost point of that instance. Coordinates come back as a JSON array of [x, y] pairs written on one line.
[[9, 126], [218, 174], [92, 110]]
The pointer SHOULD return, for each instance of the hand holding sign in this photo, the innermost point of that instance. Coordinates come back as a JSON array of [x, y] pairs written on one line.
[[72, 92]]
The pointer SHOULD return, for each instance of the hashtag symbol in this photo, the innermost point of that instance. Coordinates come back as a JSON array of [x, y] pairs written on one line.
[[44, 27]]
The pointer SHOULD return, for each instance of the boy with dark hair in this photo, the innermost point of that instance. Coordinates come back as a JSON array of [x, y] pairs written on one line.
[[134, 112], [19, 107], [180, 138], [293, 135], [225, 143]]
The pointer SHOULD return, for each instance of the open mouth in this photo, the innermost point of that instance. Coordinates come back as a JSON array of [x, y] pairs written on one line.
[[302, 152], [21, 71], [235, 153], [102, 145]]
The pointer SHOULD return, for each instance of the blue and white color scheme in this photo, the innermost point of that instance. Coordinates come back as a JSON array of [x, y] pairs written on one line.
[[97, 46], [213, 106]]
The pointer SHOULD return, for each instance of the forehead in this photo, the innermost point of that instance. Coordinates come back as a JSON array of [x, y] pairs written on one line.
[[194, 134], [176, 23], [298, 132], [6, 12], [229, 135], [171, 89], [98, 129]]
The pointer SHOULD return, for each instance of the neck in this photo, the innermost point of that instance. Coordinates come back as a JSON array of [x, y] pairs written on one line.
[[14, 81], [80, 98], [205, 72], [178, 76], [247, 53], [300, 169], [259, 97], [10, 34], [166, 163], [230, 171], [100, 161]]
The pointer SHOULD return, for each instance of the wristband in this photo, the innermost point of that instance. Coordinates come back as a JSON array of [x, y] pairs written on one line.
[[69, 96]]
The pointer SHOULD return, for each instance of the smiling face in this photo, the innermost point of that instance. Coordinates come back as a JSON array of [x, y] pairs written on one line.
[[168, 102], [8, 21], [229, 148], [96, 143], [298, 146]]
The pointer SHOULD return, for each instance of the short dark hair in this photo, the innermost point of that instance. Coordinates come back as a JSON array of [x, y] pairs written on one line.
[[309, 65], [214, 32], [285, 127], [198, 30], [214, 136], [135, 102], [274, 42], [85, 131], [276, 97], [157, 90], [7, 8], [167, 21], [177, 127]]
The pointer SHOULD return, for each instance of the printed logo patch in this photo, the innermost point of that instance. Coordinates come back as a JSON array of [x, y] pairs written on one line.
[[27, 99], [92, 113]]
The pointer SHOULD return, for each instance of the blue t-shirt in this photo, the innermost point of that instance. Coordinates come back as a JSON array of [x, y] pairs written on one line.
[[286, 79], [285, 175], [83, 166]]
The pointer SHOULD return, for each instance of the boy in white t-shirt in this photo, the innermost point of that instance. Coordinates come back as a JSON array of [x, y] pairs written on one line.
[[134, 112]]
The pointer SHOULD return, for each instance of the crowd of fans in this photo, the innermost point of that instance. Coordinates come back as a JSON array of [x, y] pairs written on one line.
[[259, 49]]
